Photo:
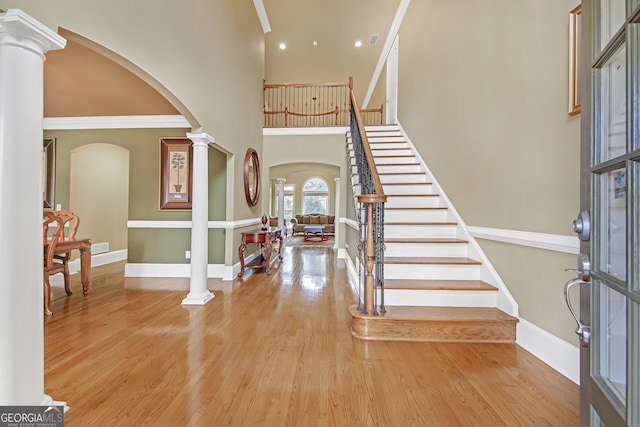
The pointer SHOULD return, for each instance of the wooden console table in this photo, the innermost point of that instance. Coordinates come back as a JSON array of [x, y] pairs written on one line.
[[265, 238]]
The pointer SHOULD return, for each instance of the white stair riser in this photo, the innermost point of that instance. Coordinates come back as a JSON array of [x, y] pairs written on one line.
[[383, 146], [376, 138], [408, 189], [413, 201], [393, 160], [432, 272], [398, 169], [384, 169], [404, 297], [420, 231], [415, 215], [426, 250], [418, 177]]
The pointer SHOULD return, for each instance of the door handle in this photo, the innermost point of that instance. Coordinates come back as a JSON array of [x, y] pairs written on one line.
[[583, 331]]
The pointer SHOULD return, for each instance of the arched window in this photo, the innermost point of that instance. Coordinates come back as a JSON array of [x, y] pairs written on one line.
[[315, 196]]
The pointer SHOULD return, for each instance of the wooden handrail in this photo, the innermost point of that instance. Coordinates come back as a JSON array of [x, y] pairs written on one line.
[[369, 155]]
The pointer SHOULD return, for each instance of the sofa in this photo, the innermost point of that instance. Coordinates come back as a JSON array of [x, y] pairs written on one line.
[[300, 221]]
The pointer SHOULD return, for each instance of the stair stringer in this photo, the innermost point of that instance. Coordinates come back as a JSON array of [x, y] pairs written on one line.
[[504, 299]]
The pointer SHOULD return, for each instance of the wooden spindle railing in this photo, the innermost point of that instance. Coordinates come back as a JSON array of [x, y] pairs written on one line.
[[371, 200], [372, 116], [311, 105]]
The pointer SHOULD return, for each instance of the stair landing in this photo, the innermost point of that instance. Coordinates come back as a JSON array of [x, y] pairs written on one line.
[[435, 324]]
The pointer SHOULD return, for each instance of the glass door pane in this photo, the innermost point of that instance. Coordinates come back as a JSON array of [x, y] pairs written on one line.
[[613, 107], [613, 225], [612, 17], [612, 343]]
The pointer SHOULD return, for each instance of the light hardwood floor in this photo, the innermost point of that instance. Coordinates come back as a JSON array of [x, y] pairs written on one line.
[[276, 351]]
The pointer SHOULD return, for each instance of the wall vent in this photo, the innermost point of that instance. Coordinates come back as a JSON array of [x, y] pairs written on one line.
[[98, 248], [373, 40]]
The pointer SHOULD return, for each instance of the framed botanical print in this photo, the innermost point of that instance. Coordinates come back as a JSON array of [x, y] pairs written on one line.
[[176, 175]]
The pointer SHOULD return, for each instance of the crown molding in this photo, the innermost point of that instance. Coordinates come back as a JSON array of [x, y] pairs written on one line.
[[115, 122]]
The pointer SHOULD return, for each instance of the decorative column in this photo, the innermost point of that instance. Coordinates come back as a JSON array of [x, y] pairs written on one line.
[[337, 214], [281, 182], [198, 292], [23, 43]]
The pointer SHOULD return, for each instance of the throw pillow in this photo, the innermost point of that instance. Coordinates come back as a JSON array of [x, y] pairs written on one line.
[[332, 219], [314, 219]]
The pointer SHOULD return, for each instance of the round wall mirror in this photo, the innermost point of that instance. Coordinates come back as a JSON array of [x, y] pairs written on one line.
[[251, 177]]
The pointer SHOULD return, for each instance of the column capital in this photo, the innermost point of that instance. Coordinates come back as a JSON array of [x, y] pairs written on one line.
[[19, 29], [201, 139], [336, 179], [281, 180]]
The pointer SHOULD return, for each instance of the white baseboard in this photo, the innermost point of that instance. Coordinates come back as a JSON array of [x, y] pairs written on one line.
[[217, 271], [99, 259], [555, 352]]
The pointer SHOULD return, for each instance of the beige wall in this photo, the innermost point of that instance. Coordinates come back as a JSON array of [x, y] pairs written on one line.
[[483, 96], [99, 193], [209, 55]]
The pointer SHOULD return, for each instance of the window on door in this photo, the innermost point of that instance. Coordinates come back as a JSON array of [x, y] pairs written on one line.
[[315, 196]]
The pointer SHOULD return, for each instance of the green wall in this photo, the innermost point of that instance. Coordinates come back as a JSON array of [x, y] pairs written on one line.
[[147, 245]]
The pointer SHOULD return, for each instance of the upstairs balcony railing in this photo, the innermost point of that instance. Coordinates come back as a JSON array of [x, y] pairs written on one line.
[[312, 105]]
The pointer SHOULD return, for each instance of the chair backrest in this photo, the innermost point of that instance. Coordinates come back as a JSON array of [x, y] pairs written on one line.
[[50, 240], [70, 220]]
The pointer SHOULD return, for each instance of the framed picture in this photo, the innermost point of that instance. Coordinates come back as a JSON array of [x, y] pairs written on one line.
[[574, 59], [48, 172], [176, 176]]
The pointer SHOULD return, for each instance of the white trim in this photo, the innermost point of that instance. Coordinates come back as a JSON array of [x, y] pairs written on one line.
[[262, 16], [115, 122], [351, 223], [226, 225], [388, 44], [99, 259], [555, 352], [337, 130], [552, 242]]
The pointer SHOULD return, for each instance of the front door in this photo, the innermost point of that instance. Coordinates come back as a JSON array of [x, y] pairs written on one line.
[[609, 226]]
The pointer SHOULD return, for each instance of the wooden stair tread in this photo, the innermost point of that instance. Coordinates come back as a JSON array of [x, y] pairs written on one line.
[[420, 223], [412, 195], [438, 285], [400, 173], [432, 260], [435, 324], [407, 183], [443, 314], [409, 208], [424, 240]]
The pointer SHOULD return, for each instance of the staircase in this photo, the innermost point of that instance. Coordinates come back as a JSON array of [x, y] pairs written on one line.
[[439, 286]]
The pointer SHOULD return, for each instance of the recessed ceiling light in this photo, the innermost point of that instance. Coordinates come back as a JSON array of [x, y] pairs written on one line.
[[358, 43], [315, 42], [283, 46]]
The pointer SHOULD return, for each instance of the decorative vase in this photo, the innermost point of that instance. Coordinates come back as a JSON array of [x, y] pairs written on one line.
[[264, 221]]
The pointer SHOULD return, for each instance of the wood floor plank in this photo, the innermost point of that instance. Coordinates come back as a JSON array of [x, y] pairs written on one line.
[[275, 351]]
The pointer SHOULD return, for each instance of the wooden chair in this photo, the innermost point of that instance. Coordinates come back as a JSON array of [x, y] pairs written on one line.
[[51, 266], [70, 223]]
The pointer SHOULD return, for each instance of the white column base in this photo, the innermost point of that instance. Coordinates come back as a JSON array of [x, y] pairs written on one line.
[[200, 299]]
